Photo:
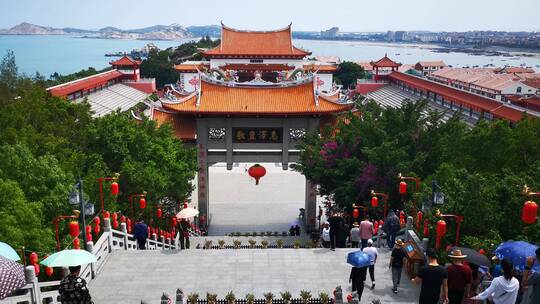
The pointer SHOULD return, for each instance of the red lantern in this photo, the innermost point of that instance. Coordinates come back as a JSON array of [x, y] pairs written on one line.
[[76, 243], [89, 237], [33, 258], [426, 228], [142, 203], [159, 213], [115, 224], [74, 229], [185, 204], [97, 221], [375, 228], [96, 229], [49, 271], [349, 298], [482, 251], [123, 219], [419, 216], [106, 214], [114, 188], [36, 269], [440, 232], [88, 229], [114, 217], [374, 201], [128, 222], [257, 171], [529, 212], [174, 221], [355, 213], [402, 187]]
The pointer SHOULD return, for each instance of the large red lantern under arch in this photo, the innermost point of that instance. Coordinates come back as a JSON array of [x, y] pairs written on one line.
[[440, 231], [33, 258], [257, 171], [106, 214], [114, 188], [74, 229], [374, 201], [402, 187], [355, 213], [142, 203], [529, 212]]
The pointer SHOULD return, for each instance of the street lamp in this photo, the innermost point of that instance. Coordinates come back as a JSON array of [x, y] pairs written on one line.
[[530, 208], [375, 200], [114, 187], [142, 201]]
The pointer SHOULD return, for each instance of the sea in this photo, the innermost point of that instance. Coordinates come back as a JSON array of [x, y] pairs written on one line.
[[47, 54]]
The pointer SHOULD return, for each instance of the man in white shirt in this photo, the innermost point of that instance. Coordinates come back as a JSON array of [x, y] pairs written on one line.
[[355, 235], [372, 252]]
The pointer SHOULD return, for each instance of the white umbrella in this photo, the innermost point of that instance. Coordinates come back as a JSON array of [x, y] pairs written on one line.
[[187, 213], [69, 257]]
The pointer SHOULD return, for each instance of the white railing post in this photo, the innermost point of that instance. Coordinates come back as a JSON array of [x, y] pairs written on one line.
[[162, 241], [123, 227], [154, 238], [30, 276], [108, 230], [90, 248]]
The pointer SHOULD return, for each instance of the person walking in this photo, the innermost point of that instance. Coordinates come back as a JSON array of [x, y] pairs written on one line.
[[459, 277], [532, 280], [357, 278], [396, 264], [326, 235], [354, 235], [297, 230], [366, 231], [432, 277], [335, 225], [183, 233], [372, 252], [391, 227], [503, 289], [73, 288], [140, 231]]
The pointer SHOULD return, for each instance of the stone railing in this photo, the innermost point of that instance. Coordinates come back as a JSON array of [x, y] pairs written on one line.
[[35, 292]]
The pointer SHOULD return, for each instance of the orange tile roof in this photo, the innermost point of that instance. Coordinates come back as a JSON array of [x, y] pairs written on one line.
[[385, 62], [256, 43], [184, 126], [432, 63], [125, 60], [511, 70], [84, 84], [294, 100], [322, 68], [190, 67]]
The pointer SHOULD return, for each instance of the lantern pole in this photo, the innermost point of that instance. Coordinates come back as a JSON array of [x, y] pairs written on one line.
[[459, 219], [385, 198], [416, 180], [56, 220], [82, 216], [100, 181], [131, 197], [527, 191]]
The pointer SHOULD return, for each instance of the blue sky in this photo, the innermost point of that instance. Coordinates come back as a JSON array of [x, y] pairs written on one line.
[[349, 15]]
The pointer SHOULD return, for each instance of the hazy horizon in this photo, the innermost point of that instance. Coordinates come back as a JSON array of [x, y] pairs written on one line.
[[315, 15]]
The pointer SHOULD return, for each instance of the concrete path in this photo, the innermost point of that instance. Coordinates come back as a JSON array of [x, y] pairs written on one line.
[[131, 276]]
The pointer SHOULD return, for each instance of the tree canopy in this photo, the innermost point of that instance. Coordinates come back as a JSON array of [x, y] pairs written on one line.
[[348, 72]]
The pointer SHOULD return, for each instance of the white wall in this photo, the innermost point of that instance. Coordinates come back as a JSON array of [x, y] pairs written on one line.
[[185, 78], [525, 89], [327, 78]]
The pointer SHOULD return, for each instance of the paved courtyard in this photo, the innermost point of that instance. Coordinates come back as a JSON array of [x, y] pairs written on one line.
[[131, 276]]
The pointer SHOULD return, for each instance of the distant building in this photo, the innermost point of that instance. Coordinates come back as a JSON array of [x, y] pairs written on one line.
[[428, 67], [330, 33], [399, 36], [390, 36]]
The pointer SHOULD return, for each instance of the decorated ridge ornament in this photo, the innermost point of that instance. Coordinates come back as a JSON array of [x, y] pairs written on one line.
[[114, 188], [257, 171], [529, 212]]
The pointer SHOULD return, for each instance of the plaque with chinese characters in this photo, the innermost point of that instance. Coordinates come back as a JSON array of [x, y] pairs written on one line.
[[257, 135]]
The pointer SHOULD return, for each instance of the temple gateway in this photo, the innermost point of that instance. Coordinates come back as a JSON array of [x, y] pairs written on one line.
[[252, 100]]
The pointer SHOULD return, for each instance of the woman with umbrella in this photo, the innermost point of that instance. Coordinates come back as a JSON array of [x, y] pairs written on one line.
[[360, 262], [183, 225]]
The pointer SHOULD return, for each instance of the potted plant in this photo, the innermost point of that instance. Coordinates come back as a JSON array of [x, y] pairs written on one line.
[[325, 298], [286, 296], [305, 295], [230, 297], [297, 244], [221, 244], [268, 233], [211, 298], [264, 244], [269, 297], [279, 243], [250, 298], [310, 244], [237, 244], [192, 298], [254, 234], [252, 243], [207, 244]]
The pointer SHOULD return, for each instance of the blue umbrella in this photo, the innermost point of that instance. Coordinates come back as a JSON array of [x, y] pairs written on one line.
[[358, 259], [517, 252], [8, 252]]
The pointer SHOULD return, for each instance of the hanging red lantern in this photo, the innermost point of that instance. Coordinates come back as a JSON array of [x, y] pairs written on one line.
[[128, 222], [36, 269], [440, 231], [426, 228], [74, 229], [374, 201], [33, 258], [106, 215], [49, 271], [115, 224], [96, 229], [185, 204], [159, 213], [142, 203], [402, 213], [97, 221], [529, 212], [355, 213], [419, 216], [89, 237], [114, 188], [381, 223], [76, 243], [402, 187], [123, 219], [174, 221], [114, 217], [482, 251], [257, 171], [88, 229]]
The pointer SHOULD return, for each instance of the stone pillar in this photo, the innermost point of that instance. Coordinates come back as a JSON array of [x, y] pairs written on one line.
[[410, 222], [154, 238], [123, 228], [310, 217], [202, 176], [108, 231], [285, 145], [162, 242], [30, 276], [229, 144], [90, 248]]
